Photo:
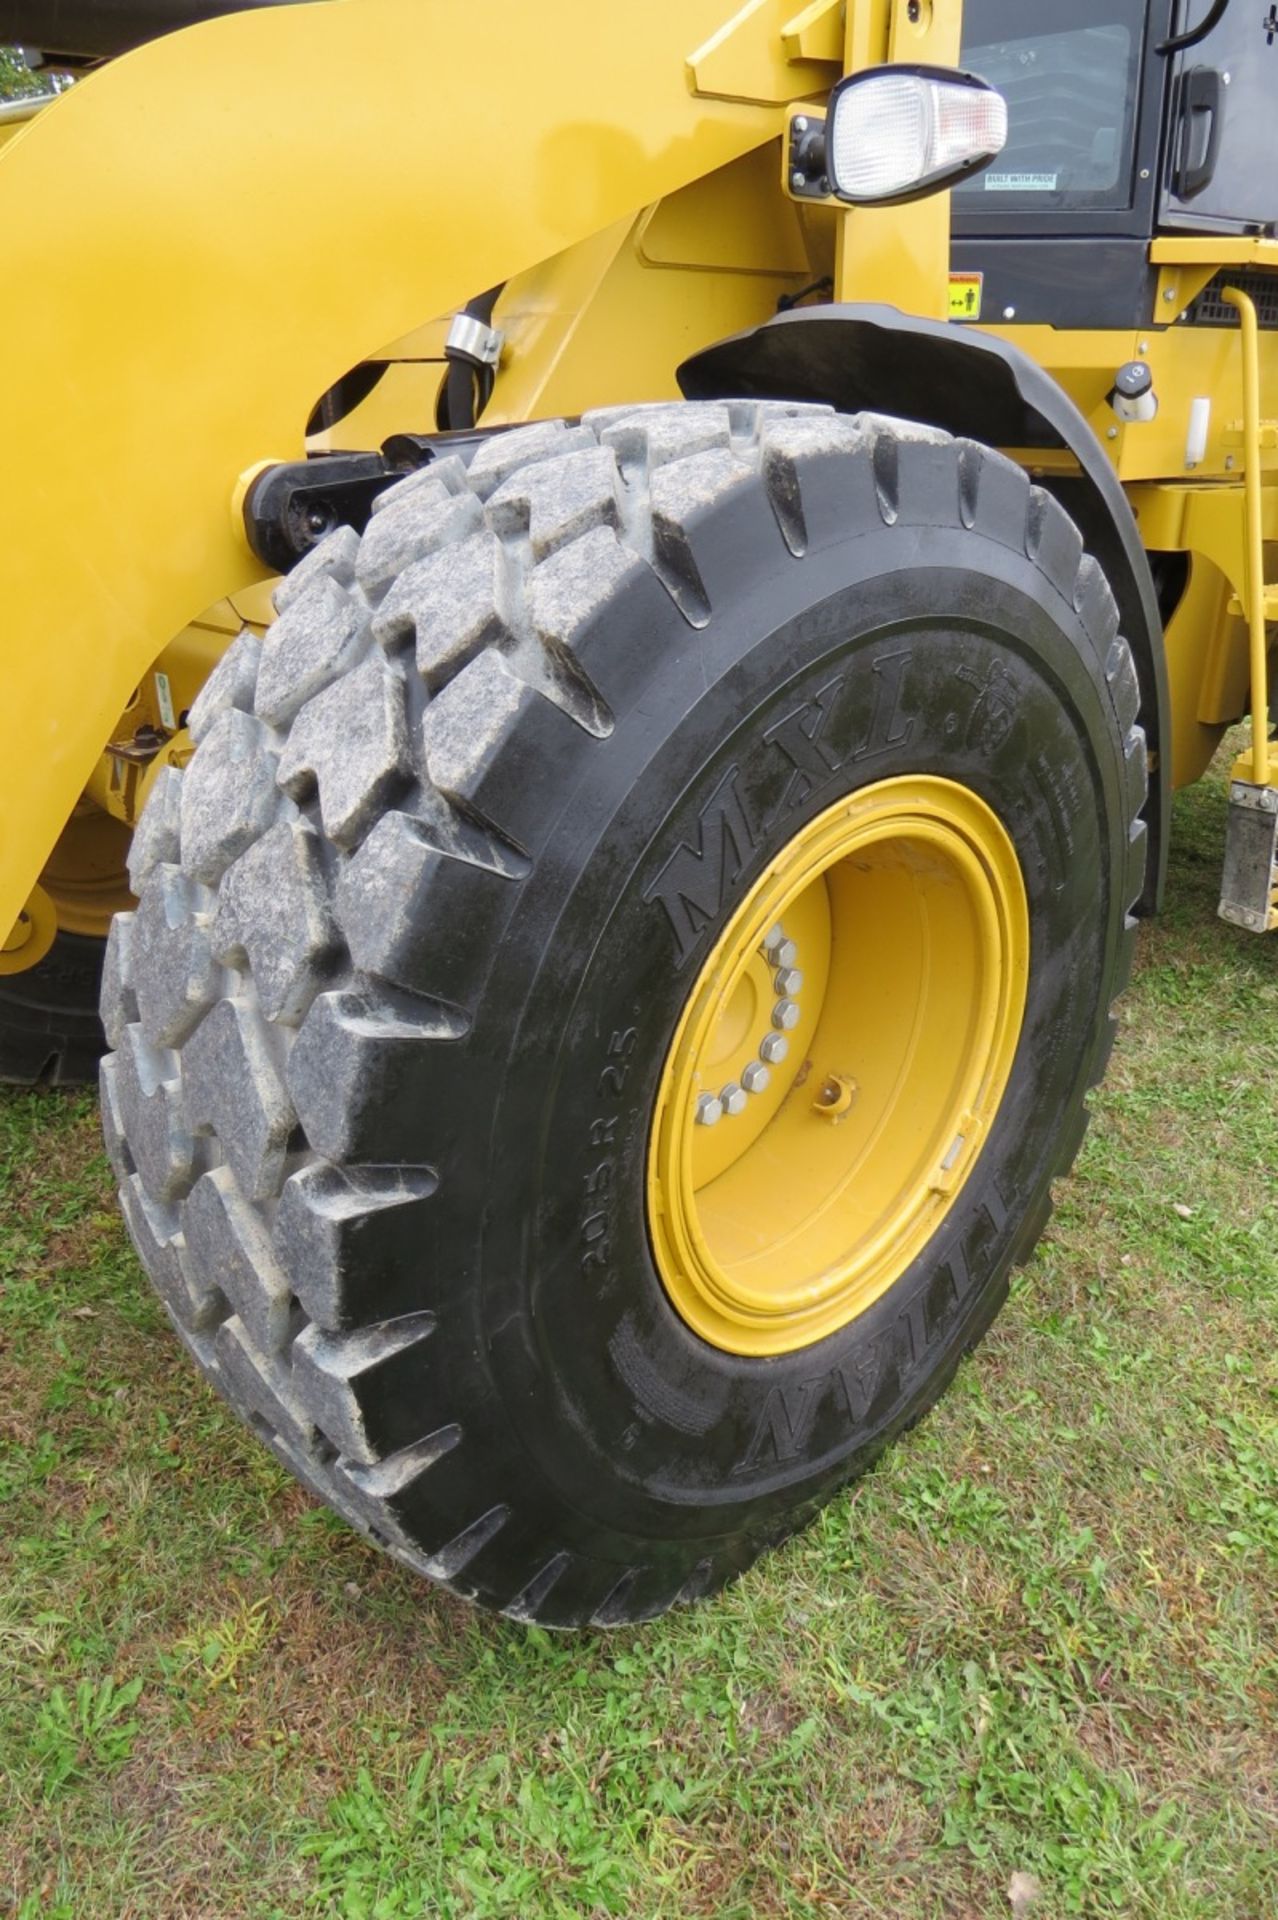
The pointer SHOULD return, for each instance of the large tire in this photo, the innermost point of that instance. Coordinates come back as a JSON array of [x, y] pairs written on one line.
[[402, 977], [50, 1031]]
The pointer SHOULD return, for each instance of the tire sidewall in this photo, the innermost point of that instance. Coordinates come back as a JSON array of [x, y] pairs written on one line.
[[965, 663]]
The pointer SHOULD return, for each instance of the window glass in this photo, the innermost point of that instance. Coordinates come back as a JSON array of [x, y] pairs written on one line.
[[1071, 106]]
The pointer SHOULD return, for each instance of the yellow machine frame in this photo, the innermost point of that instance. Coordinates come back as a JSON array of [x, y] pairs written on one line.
[[204, 235]]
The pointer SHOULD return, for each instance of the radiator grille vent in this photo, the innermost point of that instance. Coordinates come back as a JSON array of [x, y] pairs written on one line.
[[1209, 310]]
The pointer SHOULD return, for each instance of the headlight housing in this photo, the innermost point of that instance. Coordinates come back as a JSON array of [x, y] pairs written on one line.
[[894, 134]]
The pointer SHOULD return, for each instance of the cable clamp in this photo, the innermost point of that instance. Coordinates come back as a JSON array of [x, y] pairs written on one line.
[[474, 340]]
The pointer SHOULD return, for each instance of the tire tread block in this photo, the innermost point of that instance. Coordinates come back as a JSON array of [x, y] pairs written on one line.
[[158, 834], [360, 1073], [316, 639], [194, 1300], [351, 741], [143, 1105], [361, 1389], [356, 1243], [171, 958], [232, 683], [231, 1088], [228, 795], [331, 558], [226, 1237], [117, 1002], [273, 916]]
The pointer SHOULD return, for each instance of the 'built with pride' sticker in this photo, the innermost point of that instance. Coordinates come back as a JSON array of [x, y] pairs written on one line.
[[1020, 183]]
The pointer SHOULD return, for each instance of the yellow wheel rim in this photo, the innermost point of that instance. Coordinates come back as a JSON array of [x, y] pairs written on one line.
[[838, 1064], [31, 935]]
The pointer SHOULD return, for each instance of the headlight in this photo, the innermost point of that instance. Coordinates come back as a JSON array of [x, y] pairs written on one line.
[[897, 133]]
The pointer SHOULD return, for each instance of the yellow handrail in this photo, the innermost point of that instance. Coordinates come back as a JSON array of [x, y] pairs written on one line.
[[1252, 480]]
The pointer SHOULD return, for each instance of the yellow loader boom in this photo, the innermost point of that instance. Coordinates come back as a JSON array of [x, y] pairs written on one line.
[[203, 235]]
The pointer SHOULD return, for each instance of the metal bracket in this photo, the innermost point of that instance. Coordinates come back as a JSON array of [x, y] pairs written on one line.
[[805, 165], [472, 339], [764, 57]]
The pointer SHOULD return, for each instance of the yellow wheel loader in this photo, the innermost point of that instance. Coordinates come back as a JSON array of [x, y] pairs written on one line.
[[602, 608]]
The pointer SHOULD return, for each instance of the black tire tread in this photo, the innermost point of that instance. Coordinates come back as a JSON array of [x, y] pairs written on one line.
[[50, 1031], [544, 514]]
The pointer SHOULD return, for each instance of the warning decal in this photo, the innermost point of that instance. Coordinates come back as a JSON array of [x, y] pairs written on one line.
[[965, 296]]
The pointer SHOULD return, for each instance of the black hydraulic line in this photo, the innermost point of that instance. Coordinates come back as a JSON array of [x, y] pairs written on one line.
[[468, 384]]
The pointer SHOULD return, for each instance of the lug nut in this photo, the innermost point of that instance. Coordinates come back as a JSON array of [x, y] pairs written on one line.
[[732, 1098], [785, 1015], [709, 1111], [788, 979], [773, 1048], [781, 952], [756, 1076]]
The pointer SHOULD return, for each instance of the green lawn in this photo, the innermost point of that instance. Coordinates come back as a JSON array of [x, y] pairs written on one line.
[[1042, 1640]]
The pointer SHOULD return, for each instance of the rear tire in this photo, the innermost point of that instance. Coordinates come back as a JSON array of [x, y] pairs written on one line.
[[50, 1032], [418, 923]]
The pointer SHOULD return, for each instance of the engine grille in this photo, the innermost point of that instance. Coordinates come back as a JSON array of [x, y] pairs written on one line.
[[1209, 310]]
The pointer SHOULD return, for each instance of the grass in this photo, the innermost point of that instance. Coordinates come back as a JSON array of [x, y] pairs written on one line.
[[1030, 1667]]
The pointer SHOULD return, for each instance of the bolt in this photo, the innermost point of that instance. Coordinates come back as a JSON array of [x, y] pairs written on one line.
[[788, 980], [1111, 433], [756, 1075], [1169, 294], [709, 1111], [772, 938], [1009, 313], [781, 952], [773, 1048], [800, 125], [785, 1015], [798, 178], [732, 1098], [317, 520]]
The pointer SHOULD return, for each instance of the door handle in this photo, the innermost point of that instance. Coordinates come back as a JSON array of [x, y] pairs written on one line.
[[1202, 113]]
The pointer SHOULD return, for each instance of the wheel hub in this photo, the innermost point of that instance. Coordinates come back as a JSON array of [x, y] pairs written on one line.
[[838, 1063]]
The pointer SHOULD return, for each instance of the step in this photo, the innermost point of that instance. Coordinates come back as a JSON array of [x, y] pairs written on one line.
[[1237, 608], [1249, 883]]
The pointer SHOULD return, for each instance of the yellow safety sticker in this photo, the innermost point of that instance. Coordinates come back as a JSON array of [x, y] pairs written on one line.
[[965, 295]]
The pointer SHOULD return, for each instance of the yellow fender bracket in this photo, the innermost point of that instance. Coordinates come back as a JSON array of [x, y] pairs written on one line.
[[203, 235]]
